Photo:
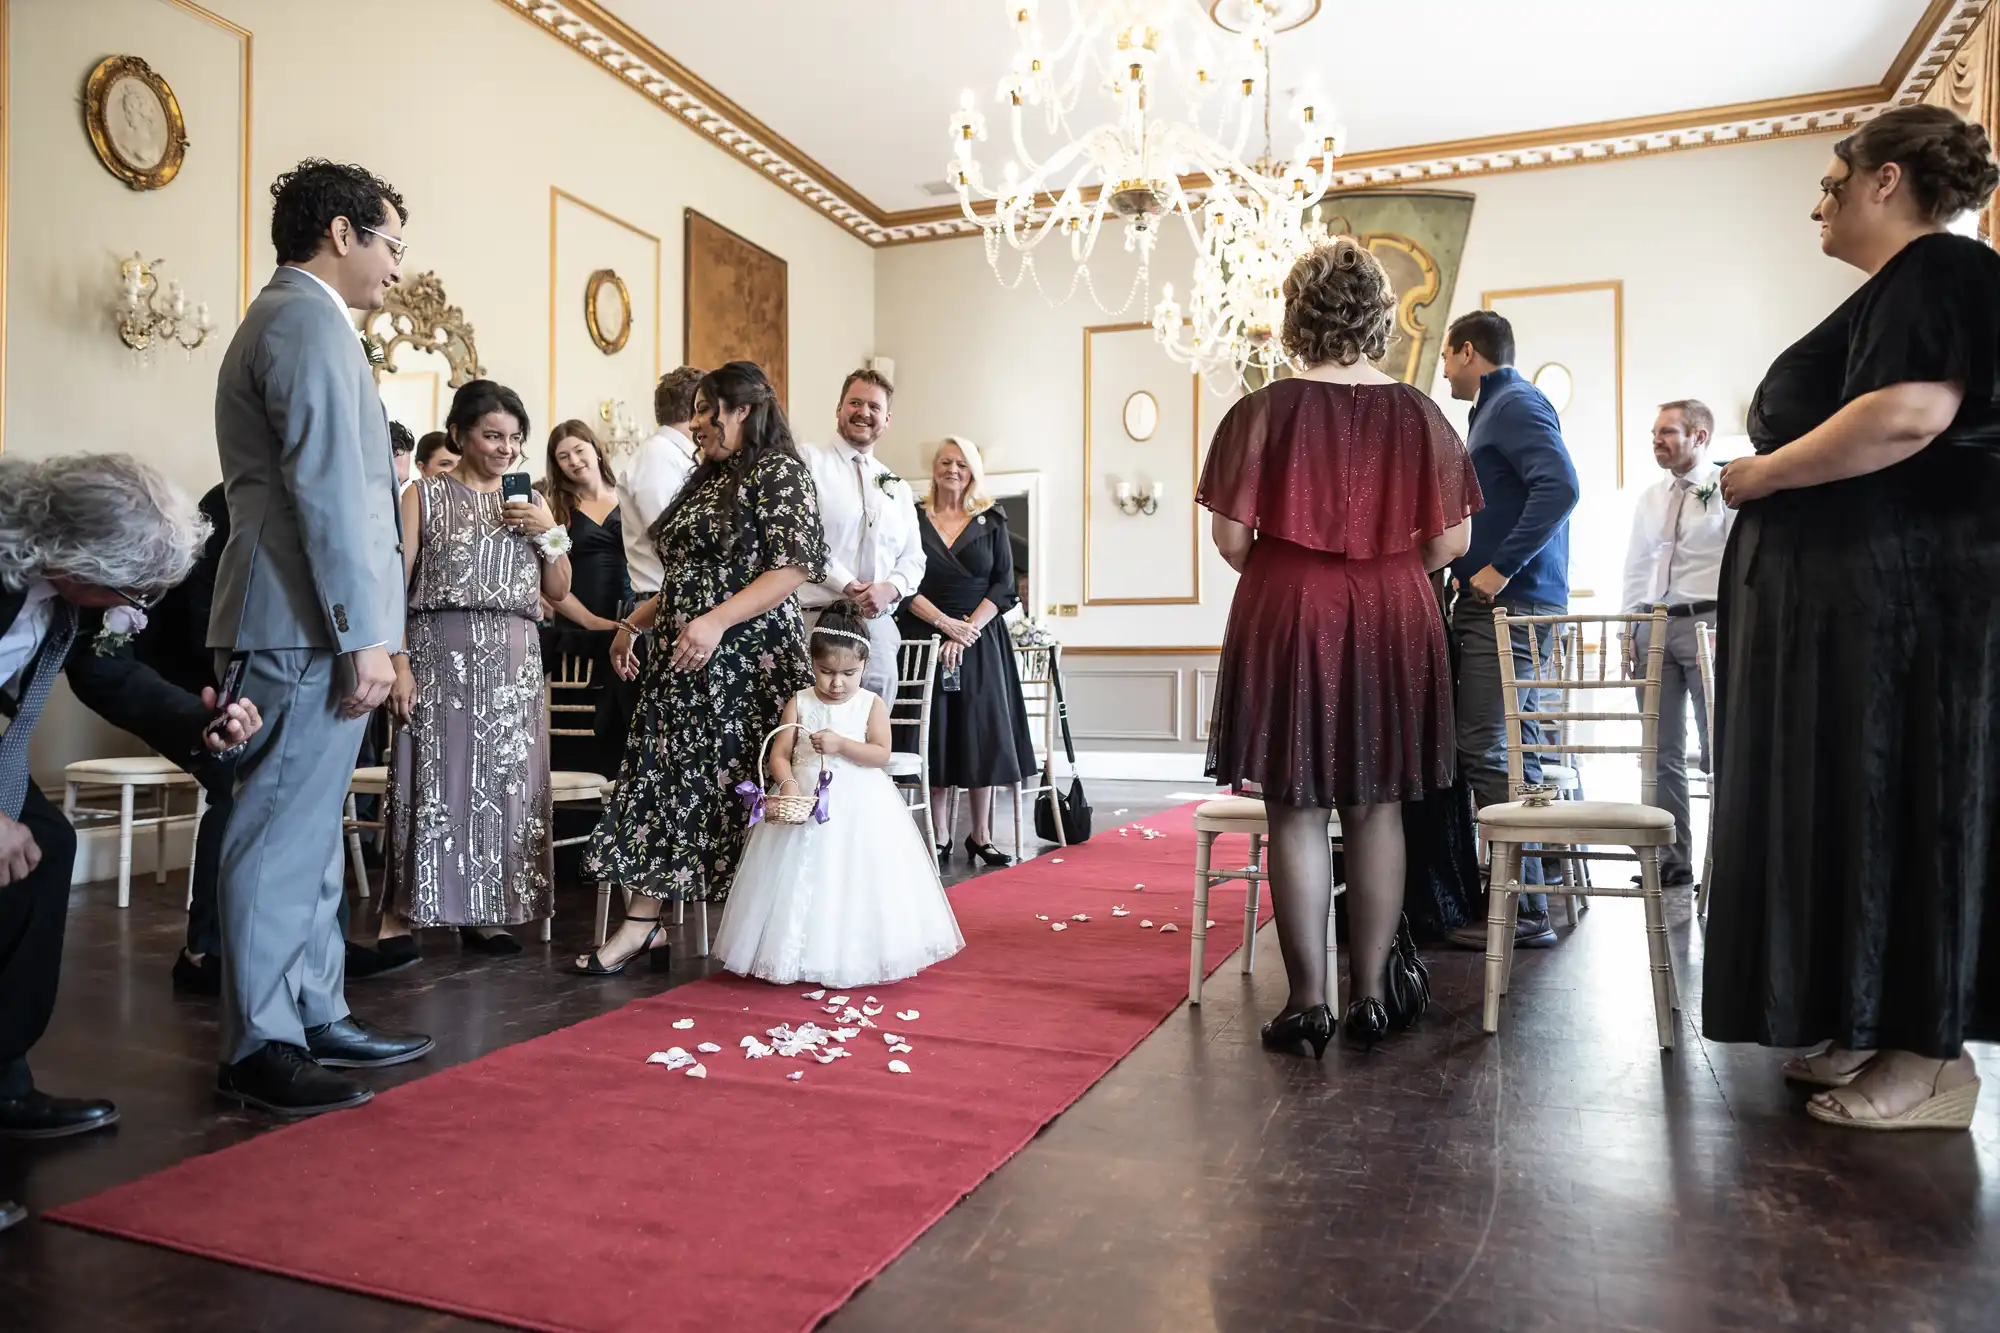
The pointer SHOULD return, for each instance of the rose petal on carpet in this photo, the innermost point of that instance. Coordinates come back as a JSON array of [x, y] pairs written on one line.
[[506, 1188]]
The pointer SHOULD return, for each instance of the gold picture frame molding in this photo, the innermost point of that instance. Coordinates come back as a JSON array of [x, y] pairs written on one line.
[[1089, 484], [557, 197], [1616, 286], [246, 65]]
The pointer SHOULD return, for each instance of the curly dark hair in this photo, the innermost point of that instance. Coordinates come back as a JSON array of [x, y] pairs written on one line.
[[400, 439], [673, 396], [1339, 305], [306, 200], [765, 431], [1948, 161]]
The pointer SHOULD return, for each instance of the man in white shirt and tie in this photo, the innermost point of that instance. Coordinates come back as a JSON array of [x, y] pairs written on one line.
[[874, 549], [1679, 528]]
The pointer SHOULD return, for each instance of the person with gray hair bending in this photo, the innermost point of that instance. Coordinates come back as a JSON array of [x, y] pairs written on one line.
[[86, 544]]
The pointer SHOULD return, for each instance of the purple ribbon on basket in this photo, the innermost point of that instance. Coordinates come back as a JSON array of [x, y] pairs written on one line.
[[753, 796], [820, 811]]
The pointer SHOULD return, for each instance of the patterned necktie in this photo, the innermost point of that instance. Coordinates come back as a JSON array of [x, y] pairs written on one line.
[[864, 555], [42, 673]]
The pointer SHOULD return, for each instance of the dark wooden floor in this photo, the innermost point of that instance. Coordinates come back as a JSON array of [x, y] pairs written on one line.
[[1564, 1176]]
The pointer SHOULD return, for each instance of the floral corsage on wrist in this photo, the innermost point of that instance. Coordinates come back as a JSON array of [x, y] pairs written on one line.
[[122, 624], [1707, 493], [887, 482], [553, 544]]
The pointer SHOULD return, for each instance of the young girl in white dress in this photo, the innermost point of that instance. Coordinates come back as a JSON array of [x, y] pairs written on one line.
[[854, 901]]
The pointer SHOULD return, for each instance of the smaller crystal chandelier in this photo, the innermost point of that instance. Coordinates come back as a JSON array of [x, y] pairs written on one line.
[[145, 318]]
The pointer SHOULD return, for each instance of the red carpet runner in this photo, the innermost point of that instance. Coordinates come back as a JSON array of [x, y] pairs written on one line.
[[511, 1189]]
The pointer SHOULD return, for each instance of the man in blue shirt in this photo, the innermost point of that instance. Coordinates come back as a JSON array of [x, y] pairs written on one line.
[[1519, 559]]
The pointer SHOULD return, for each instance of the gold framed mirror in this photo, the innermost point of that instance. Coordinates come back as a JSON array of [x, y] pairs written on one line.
[[418, 315], [607, 309], [1141, 416]]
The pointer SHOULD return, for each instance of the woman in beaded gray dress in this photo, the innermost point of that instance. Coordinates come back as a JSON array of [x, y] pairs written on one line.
[[469, 806]]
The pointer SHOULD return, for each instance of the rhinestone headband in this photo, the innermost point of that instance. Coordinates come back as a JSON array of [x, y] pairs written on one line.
[[841, 634]]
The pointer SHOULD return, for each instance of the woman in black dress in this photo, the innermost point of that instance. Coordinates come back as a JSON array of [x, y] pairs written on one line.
[[583, 496], [1858, 797], [979, 731]]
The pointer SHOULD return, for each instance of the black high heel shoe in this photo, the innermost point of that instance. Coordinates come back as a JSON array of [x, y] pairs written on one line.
[[657, 957], [987, 852], [1367, 1022], [944, 852], [1312, 1026]]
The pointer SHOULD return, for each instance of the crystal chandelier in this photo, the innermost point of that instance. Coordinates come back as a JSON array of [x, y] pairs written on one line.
[[1128, 171], [1248, 243]]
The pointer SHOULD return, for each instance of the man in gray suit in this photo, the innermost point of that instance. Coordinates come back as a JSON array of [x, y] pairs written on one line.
[[309, 597]]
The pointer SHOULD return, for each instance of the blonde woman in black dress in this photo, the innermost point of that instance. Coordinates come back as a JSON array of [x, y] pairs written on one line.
[[1857, 839], [979, 731]]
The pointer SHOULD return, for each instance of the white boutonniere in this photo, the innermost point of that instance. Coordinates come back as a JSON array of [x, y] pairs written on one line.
[[888, 482], [1707, 493], [122, 624]]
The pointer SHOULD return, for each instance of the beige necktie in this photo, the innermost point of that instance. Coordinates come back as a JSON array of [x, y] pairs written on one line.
[[1665, 578], [864, 555]]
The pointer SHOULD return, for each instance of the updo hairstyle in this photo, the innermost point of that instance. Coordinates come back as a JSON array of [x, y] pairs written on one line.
[[1339, 305], [1947, 161]]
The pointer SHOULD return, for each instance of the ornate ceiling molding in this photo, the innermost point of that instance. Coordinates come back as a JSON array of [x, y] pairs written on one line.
[[587, 28]]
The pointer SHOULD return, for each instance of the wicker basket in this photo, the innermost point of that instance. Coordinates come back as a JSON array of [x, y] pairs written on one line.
[[779, 809]]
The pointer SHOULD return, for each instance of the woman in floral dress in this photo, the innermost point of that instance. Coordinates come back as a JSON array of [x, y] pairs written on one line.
[[737, 543]]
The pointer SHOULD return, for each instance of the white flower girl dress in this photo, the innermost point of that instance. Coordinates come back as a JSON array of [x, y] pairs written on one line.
[[855, 901]]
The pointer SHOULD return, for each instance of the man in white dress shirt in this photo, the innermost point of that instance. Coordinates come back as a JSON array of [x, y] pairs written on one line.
[[1679, 528], [653, 477], [647, 484], [874, 548]]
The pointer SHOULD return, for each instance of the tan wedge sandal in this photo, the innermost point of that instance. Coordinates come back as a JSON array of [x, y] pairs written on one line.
[[1951, 1109]]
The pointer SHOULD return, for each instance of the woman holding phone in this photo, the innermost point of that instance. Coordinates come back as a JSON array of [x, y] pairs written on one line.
[[469, 805]]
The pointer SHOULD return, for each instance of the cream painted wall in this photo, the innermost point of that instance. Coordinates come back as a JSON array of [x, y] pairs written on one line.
[[1721, 271], [474, 133]]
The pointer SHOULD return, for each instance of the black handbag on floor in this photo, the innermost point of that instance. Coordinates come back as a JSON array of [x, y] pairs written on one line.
[[1409, 990], [1074, 807]]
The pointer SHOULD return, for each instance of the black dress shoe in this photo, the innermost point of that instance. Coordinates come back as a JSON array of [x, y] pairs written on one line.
[[11, 1213], [285, 1080], [1671, 877], [203, 978], [496, 944], [390, 955], [40, 1116], [352, 1044]]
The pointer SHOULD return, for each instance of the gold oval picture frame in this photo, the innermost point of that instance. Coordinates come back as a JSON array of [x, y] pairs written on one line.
[[135, 122], [1140, 416], [607, 309], [1557, 384]]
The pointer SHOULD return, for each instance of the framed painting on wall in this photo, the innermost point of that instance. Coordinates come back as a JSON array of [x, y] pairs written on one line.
[[735, 305]]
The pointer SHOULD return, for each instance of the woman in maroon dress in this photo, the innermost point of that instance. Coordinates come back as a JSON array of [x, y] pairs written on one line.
[[1335, 494]]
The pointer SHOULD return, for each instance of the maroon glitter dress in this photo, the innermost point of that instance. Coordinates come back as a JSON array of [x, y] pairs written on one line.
[[1335, 686]]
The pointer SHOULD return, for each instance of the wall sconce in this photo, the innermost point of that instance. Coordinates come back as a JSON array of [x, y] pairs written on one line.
[[1142, 499], [146, 315], [621, 432]]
